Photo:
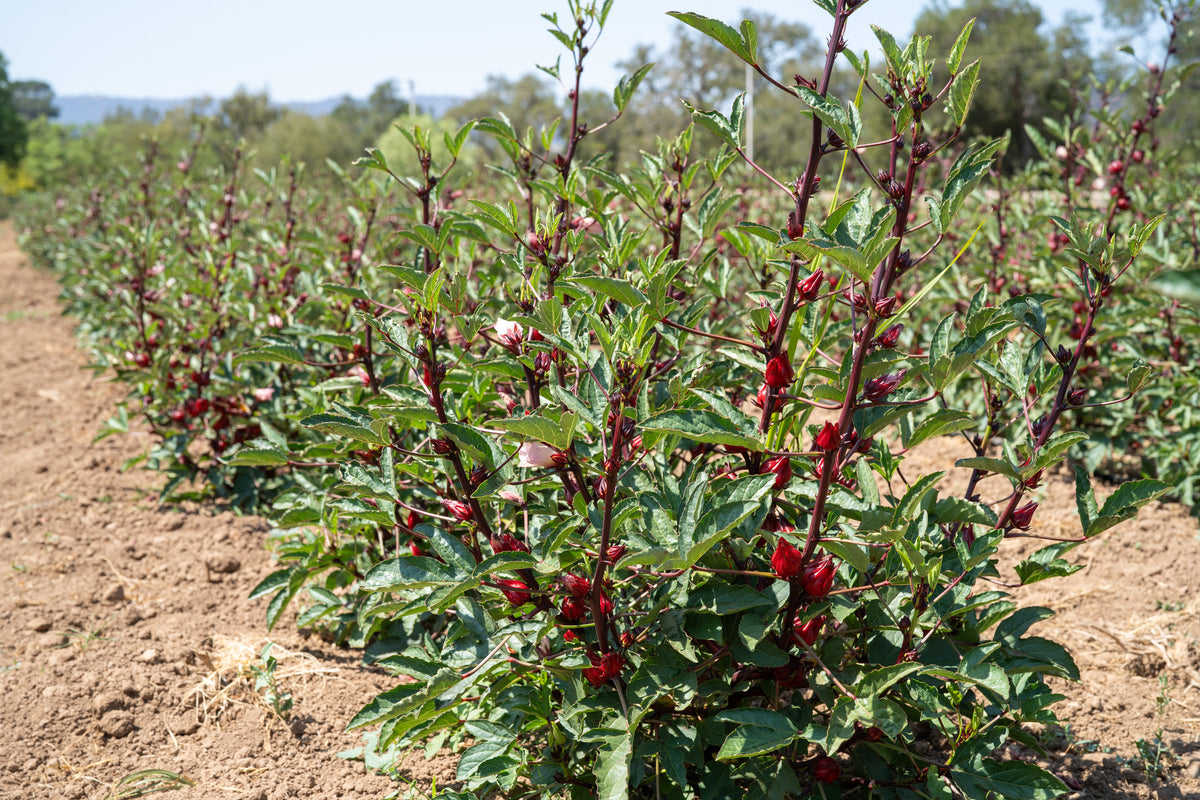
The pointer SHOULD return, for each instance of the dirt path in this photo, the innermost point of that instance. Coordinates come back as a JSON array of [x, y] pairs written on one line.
[[115, 613]]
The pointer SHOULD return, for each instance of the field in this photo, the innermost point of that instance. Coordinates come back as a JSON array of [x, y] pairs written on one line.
[[119, 612]]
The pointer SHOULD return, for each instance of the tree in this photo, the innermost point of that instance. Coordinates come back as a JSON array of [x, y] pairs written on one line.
[[1026, 73], [13, 134], [34, 100], [245, 114]]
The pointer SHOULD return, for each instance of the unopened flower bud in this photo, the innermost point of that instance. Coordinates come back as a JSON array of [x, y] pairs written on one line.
[[515, 591], [782, 467], [459, 510], [890, 337], [826, 770], [808, 632], [779, 372], [1023, 516], [818, 577], [810, 287], [878, 388], [828, 439], [785, 561]]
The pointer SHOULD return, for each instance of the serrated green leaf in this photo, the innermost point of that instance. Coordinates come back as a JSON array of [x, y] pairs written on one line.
[[701, 426]]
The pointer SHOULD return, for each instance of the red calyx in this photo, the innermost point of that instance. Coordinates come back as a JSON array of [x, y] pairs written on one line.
[[809, 631], [817, 579], [786, 560], [459, 510], [779, 372], [514, 591], [577, 586], [878, 388], [604, 668], [810, 287], [829, 438], [890, 337], [826, 770], [1023, 516], [573, 609], [782, 467], [507, 543]]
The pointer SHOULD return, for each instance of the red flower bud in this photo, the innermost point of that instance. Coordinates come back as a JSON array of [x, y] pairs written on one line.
[[828, 439], [782, 467], [1076, 397], [886, 306], [413, 520], [514, 591], [1115, 167], [779, 372], [818, 576], [810, 287], [606, 604], [415, 548], [614, 553], [604, 668], [1023, 516], [573, 609], [786, 560], [827, 770], [442, 447], [808, 631], [1138, 155], [570, 636], [878, 388], [507, 543], [890, 337], [577, 586], [459, 510]]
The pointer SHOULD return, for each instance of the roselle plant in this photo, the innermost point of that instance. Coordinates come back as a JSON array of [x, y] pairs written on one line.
[[623, 496]]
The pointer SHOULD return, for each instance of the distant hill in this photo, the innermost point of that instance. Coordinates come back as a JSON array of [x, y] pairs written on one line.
[[85, 109]]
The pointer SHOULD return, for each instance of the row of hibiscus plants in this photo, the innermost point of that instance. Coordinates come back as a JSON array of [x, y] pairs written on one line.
[[606, 463]]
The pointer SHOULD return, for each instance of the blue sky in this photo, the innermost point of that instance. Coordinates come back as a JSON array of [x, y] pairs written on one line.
[[307, 50]]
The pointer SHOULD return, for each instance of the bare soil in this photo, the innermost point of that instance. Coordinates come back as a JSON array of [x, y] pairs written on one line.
[[127, 641]]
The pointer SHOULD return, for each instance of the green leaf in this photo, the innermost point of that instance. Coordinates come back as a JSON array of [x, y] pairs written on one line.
[[258, 457], [406, 572], [557, 434], [960, 45], [726, 35], [701, 426], [1012, 780], [1124, 503], [1085, 498], [941, 422], [343, 426], [272, 354], [753, 739], [962, 92], [988, 465], [402, 699], [1046, 563], [627, 85], [619, 290], [612, 766], [844, 121]]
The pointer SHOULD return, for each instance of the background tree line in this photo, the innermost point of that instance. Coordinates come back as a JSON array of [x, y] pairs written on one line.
[[1032, 71]]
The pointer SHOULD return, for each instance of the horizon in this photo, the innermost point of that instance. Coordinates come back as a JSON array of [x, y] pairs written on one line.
[[106, 51]]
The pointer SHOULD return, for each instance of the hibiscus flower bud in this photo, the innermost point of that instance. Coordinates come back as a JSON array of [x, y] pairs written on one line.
[[826, 770], [413, 520], [604, 668], [536, 454], [459, 510], [577, 586], [807, 632], [507, 543], [1023, 516], [890, 337], [606, 604], [600, 487], [570, 636], [878, 388], [415, 548], [573, 609], [514, 591], [828, 439], [818, 577], [614, 553], [785, 562], [478, 475], [443, 446], [779, 373], [810, 287], [782, 467], [886, 306], [1076, 397]]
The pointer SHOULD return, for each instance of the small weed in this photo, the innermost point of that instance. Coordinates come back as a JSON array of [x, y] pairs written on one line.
[[1154, 756], [18, 567], [1169, 605], [278, 701], [84, 639], [147, 781]]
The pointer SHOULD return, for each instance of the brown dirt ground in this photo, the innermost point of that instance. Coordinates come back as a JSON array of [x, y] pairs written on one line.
[[116, 613]]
